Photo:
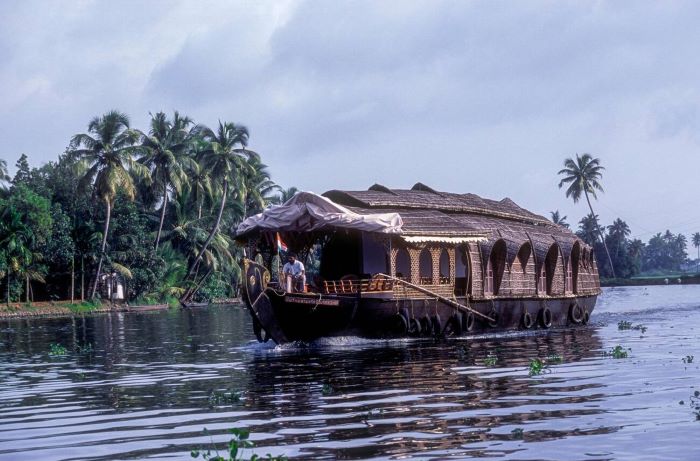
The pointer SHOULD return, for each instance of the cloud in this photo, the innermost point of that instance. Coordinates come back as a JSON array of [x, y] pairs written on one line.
[[486, 97]]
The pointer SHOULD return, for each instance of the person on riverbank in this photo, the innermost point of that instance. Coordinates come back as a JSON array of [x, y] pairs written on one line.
[[294, 274]]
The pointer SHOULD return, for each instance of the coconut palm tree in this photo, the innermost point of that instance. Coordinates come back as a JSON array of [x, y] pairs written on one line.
[[223, 158], [106, 152], [4, 176], [696, 244], [259, 189], [558, 219], [164, 153], [618, 233], [582, 176], [286, 194]]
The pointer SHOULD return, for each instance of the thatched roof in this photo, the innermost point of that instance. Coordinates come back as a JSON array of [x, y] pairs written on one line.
[[425, 211]]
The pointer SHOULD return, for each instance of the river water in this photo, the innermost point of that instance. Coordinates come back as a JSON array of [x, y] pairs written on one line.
[[144, 386]]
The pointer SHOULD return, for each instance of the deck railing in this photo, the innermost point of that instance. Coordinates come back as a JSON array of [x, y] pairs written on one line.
[[350, 286]]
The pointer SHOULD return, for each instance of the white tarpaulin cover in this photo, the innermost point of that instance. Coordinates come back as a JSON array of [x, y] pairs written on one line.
[[307, 211]]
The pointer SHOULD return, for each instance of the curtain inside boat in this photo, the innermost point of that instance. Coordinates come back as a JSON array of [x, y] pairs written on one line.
[[307, 212]]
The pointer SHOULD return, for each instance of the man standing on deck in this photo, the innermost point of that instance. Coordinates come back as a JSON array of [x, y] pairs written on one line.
[[294, 274]]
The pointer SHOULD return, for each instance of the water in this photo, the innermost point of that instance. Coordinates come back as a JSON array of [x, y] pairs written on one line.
[[154, 381]]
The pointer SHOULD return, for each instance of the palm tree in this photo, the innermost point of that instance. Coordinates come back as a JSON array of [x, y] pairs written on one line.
[[16, 240], [618, 233], [582, 176], [107, 153], [286, 194], [696, 244], [558, 219], [164, 151], [588, 229], [4, 176], [223, 158], [258, 187]]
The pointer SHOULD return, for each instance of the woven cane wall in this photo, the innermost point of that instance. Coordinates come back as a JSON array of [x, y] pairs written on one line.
[[477, 273], [558, 279]]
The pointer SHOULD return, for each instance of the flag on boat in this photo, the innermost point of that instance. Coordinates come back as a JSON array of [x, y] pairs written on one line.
[[281, 246]]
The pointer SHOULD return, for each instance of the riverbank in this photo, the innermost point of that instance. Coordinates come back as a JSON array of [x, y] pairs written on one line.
[[66, 309], [658, 280]]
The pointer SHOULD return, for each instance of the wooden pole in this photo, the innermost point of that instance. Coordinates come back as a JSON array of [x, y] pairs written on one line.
[[445, 300]]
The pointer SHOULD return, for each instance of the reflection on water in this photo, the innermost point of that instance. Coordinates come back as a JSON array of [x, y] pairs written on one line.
[[153, 381]]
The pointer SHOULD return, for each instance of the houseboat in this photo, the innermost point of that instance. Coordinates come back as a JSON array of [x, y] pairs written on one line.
[[385, 263]]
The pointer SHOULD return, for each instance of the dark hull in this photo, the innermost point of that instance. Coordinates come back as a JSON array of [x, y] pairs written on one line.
[[305, 317], [376, 318]]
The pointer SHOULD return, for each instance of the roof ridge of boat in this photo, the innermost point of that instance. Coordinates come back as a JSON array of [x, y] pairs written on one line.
[[421, 196]]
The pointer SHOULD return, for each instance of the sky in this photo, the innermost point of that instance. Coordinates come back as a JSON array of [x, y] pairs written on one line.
[[487, 97]]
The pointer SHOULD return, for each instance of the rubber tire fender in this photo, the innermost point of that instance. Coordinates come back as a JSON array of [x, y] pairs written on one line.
[[586, 317], [527, 320], [414, 327], [426, 326], [545, 316], [576, 313], [399, 324], [436, 324], [454, 324], [494, 315], [469, 322]]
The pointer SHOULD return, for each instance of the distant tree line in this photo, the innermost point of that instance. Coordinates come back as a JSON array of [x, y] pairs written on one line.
[[663, 253], [155, 208]]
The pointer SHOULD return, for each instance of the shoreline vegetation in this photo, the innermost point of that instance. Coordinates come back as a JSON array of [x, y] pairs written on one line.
[[56, 309]]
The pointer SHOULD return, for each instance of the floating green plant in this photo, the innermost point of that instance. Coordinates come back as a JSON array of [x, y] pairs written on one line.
[[224, 397], [491, 360], [554, 358], [327, 389], [517, 433], [617, 352], [57, 350], [695, 404], [85, 349], [537, 367], [688, 359], [239, 442], [625, 325]]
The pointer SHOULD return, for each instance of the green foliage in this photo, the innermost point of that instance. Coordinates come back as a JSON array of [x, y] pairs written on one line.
[[227, 397], [490, 360], [240, 441], [617, 352], [537, 366], [103, 203], [57, 350], [625, 325]]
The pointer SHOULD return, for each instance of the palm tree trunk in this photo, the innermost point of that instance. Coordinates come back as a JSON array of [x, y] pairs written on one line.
[[26, 290], [212, 233], [102, 252], [199, 284], [602, 239], [8, 287], [82, 278], [162, 214], [72, 279]]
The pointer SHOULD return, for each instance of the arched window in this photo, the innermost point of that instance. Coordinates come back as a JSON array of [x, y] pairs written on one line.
[[403, 264], [554, 269], [463, 283], [542, 281], [445, 274], [497, 261], [488, 278], [425, 267]]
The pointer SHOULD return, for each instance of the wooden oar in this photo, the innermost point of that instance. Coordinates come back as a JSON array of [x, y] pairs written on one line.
[[445, 300]]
